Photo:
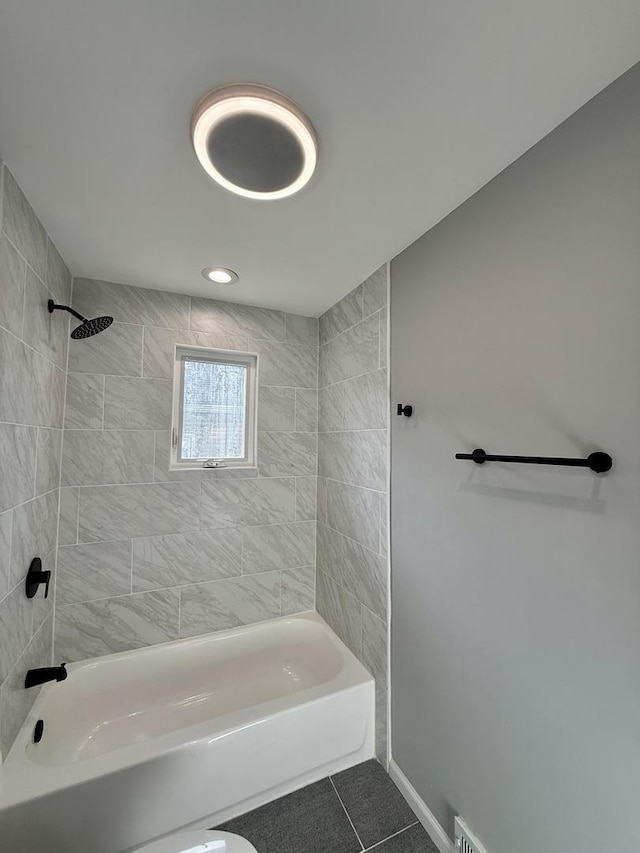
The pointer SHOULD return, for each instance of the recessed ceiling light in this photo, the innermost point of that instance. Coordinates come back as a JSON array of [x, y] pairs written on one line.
[[254, 141], [220, 275]]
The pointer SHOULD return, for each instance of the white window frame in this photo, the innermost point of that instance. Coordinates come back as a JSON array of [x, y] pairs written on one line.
[[248, 359]]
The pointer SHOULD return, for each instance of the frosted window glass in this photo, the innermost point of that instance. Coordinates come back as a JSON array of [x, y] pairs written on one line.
[[213, 410]]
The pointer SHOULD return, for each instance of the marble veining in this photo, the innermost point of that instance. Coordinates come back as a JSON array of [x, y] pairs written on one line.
[[18, 455], [276, 408], [278, 546], [118, 353], [209, 315], [292, 365], [128, 304], [173, 560], [355, 512], [125, 512], [111, 625], [85, 401], [229, 603], [22, 226], [159, 347], [12, 278], [98, 570], [259, 501], [93, 458], [298, 589], [287, 453], [133, 403]]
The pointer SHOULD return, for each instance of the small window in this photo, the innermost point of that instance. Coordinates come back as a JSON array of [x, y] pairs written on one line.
[[214, 408]]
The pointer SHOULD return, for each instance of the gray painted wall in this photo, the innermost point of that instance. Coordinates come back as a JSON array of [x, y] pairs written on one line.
[[516, 590], [33, 356], [147, 555], [352, 579]]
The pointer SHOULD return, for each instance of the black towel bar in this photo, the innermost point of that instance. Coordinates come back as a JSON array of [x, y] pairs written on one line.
[[599, 462]]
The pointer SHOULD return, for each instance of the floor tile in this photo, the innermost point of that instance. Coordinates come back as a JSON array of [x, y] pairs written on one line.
[[412, 840], [311, 820], [375, 806]]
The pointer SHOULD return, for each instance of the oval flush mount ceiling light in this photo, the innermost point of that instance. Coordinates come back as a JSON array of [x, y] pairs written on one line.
[[254, 141], [220, 275]]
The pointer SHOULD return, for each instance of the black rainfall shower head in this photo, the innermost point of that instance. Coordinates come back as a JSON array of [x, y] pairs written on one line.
[[87, 328], [91, 327]]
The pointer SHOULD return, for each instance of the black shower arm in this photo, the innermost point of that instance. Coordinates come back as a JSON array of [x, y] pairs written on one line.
[[53, 307]]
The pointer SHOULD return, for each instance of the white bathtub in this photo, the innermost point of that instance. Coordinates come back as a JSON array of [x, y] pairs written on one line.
[[184, 735]]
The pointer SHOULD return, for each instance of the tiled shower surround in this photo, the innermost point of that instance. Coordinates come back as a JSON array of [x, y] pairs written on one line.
[[33, 354], [148, 555], [352, 562]]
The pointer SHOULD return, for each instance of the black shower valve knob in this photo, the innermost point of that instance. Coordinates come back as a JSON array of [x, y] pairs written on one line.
[[35, 577], [407, 411]]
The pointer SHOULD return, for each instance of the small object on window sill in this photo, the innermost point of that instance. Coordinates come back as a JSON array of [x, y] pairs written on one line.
[[213, 463]]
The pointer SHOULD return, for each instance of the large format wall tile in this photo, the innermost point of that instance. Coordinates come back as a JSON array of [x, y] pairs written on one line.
[[298, 589], [227, 318], [276, 408], [359, 458], [375, 291], [301, 330], [306, 410], [88, 572], [278, 546], [259, 501], [342, 316], [352, 353], [124, 512], [293, 365], [355, 512], [18, 455], [23, 368], [159, 347], [33, 533], [12, 278], [374, 646], [22, 226], [229, 603], [206, 555], [341, 610], [306, 498], [115, 352], [58, 277], [68, 516], [93, 458], [6, 521], [133, 403], [116, 624], [282, 454], [365, 401], [85, 401], [15, 701], [48, 460], [127, 304], [47, 333], [15, 628]]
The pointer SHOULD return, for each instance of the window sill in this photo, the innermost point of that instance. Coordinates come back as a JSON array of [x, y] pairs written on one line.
[[174, 468]]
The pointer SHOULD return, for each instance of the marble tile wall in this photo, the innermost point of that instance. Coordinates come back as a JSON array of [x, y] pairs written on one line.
[[352, 552], [148, 555], [33, 355]]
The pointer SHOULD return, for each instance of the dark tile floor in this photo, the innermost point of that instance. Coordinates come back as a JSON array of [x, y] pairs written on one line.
[[350, 812]]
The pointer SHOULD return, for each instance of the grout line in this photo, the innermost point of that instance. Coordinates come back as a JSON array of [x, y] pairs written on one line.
[[393, 835], [347, 813]]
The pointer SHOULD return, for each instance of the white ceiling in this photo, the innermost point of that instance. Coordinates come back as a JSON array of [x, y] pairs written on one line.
[[417, 104]]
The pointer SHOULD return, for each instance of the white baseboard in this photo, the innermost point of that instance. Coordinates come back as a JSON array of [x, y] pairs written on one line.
[[422, 810]]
